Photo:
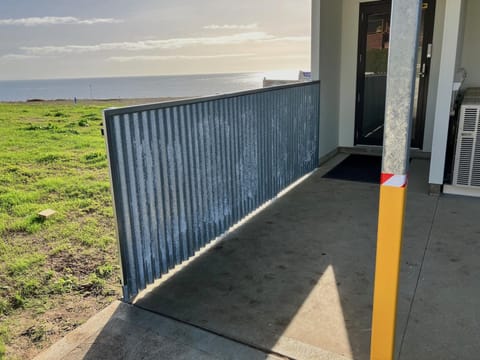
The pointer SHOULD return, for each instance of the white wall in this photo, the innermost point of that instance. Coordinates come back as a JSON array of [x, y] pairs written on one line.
[[315, 46], [326, 67], [452, 32], [348, 71], [470, 57]]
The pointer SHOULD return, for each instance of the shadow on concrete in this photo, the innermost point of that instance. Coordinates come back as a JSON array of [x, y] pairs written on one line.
[[290, 280], [297, 279]]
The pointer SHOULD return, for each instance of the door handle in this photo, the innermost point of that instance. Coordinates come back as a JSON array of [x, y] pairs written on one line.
[[423, 72]]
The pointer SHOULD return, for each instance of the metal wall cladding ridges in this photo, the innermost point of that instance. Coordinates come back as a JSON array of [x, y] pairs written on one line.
[[183, 173]]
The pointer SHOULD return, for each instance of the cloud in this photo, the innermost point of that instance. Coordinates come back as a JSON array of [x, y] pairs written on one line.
[[231, 27], [289, 39], [17, 57], [175, 43], [293, 57], [54, 20], [175, 57]]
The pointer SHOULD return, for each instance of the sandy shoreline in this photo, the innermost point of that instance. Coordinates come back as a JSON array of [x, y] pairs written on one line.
[[125, 102]]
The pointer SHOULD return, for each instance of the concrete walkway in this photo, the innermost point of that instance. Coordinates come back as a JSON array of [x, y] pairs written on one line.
[[297, 281], [123, 331]]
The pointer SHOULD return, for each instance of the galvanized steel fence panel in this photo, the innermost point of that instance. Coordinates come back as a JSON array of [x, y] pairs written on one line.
[[184, 172]]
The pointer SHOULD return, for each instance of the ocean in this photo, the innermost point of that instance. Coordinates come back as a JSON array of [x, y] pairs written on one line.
[[134, 87]]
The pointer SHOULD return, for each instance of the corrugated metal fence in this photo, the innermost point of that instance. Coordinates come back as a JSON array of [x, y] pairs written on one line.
[[184, 172]]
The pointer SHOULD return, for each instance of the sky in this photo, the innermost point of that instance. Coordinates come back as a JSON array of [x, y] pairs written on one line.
[[42, 39]]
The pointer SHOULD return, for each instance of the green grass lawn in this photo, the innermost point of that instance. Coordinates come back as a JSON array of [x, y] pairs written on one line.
[[54, 273]]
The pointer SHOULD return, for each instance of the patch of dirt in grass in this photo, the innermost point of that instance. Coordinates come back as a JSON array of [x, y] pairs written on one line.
[[79, 265]]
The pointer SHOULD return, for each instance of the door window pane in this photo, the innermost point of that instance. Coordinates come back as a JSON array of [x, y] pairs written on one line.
[[375, 81]]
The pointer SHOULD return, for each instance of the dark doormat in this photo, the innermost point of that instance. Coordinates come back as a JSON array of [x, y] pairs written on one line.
[[362, 168]]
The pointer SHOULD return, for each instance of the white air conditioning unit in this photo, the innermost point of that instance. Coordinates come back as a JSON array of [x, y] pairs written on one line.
[[466, 173]]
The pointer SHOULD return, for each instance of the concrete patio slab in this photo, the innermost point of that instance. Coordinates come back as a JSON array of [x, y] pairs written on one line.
[[298, 277], [296, 280]]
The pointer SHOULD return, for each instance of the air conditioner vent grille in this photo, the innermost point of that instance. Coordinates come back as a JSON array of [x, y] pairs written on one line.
[[465, 161], [467, 156], [470, 119], [476, 161]]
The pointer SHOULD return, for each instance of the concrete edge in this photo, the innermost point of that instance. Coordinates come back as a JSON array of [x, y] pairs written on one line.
[[286, 345], [378, 151]]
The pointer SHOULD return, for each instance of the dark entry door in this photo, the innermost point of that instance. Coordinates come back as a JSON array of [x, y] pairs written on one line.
[[373, 45]]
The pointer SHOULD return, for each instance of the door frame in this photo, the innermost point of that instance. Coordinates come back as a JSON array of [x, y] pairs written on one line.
[[378, 5], [426, 62]]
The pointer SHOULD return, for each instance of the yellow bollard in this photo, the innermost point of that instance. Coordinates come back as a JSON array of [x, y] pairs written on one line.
[[387, 268]]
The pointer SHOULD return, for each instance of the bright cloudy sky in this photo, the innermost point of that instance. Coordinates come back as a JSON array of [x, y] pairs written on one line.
[[92, 38]]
